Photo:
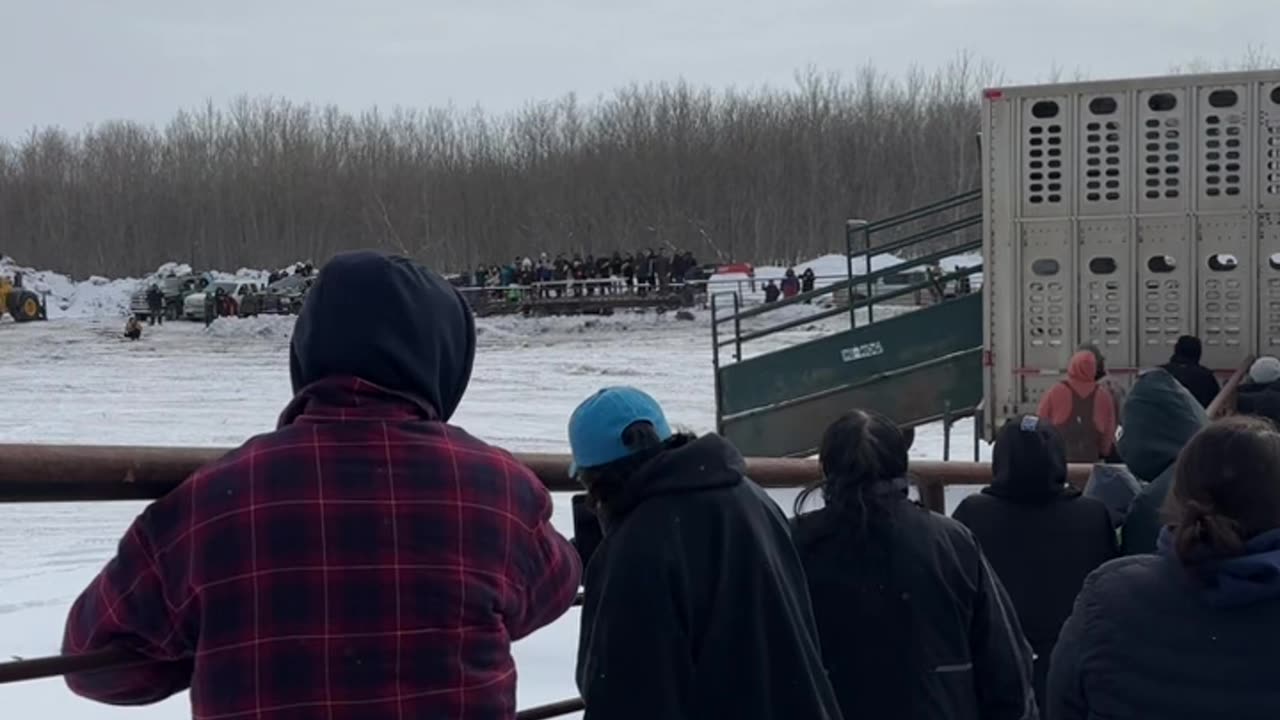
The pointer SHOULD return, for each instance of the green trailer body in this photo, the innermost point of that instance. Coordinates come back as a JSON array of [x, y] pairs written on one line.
[[914, 366], [917, 367]]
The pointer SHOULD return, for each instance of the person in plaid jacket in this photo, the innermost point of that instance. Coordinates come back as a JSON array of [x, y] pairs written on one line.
[[365, 560]]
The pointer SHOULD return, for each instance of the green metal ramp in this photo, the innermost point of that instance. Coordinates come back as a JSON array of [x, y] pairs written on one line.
[[917, 366]]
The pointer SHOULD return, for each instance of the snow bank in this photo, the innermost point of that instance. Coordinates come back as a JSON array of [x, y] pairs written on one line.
[[100, 297], [95, 297], [261, 326]]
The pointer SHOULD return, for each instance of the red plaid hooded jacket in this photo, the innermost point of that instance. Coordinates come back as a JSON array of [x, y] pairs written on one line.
[[366, 560]]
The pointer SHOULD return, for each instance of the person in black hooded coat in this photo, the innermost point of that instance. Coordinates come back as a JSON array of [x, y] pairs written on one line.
[[1042, 537], [1185, 366], [914, 623], [695, 601]]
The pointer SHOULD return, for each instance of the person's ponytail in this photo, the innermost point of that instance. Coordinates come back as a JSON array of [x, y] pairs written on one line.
[[1201, 529], [864, 465], [1225, 489]]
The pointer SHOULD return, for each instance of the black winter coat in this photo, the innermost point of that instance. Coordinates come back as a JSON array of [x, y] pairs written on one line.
[[696, 606], [1260, 401], [1042, 537], [913, 621], [1196, 378], [1148, 640]]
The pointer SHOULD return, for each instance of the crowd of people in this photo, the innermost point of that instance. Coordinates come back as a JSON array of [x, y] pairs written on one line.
[[578, 276], [790, 286], [370, 560]]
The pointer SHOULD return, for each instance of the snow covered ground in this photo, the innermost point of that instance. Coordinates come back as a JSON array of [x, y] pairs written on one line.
[[74, 380]]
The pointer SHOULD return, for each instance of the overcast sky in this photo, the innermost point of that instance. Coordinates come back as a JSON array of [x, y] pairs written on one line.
[[77, 62]]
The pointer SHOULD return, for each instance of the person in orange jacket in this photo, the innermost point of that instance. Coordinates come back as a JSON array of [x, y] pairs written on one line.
[[1085, 417]]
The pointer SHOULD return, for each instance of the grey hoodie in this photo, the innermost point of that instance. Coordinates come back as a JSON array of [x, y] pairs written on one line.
[[1160, 417]]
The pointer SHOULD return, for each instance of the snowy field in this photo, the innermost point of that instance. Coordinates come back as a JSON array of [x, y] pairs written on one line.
[[74, 380]]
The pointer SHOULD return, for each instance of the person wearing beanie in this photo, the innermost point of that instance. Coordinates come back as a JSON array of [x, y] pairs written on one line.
[[1265, 370], [1186, 368], [695, 602], [1084, 417], [1259, 396]]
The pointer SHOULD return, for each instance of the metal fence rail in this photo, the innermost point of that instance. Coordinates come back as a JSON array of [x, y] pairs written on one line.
[[50, 473], [82, 473]]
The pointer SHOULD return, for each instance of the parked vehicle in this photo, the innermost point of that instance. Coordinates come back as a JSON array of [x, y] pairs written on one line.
[[22, 304], [193, 305], [282, 297], [175, 288]]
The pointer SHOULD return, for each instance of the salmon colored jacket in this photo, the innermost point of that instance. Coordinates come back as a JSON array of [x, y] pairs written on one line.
[[1055, 405]]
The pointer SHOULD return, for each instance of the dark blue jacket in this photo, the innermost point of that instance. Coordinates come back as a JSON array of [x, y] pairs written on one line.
[[1151, 639]]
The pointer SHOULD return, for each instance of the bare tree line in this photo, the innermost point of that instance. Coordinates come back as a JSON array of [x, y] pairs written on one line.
[[765, 175]]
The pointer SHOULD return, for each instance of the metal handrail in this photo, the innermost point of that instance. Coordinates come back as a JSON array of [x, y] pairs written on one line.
[[707, 283], [552, 710], [110, 658], [870, 277], [845, 281], [871, 300], [85, 473], [926, 211], [44, 473], [119, 659], [923, 236]]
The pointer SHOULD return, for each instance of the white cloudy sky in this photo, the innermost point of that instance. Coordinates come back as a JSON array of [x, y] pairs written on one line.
[[75, 62]]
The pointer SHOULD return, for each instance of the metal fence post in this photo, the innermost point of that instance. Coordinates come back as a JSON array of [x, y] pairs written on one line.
[[871, 291], [946, 431], [851, 226], [737, 328], [715, 336], [977, 430]]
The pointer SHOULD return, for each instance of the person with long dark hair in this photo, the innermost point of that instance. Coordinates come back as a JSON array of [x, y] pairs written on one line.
[[913, 621], [1192, 631], [695, 602], [1042, 537]]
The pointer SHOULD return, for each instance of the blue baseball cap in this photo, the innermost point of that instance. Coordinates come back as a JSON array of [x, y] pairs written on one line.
[[596, 427]]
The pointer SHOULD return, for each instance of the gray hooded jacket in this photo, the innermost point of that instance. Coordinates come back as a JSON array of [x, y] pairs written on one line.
[[1160, 417]]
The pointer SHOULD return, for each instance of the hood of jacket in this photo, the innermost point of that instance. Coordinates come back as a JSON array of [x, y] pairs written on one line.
[[1159, 418], [389, 321], [1245, 579], [1029, 463], [703, 463], [1082, 372]]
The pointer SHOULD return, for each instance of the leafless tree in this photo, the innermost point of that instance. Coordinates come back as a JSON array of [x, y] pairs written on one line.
[[766, 175]]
